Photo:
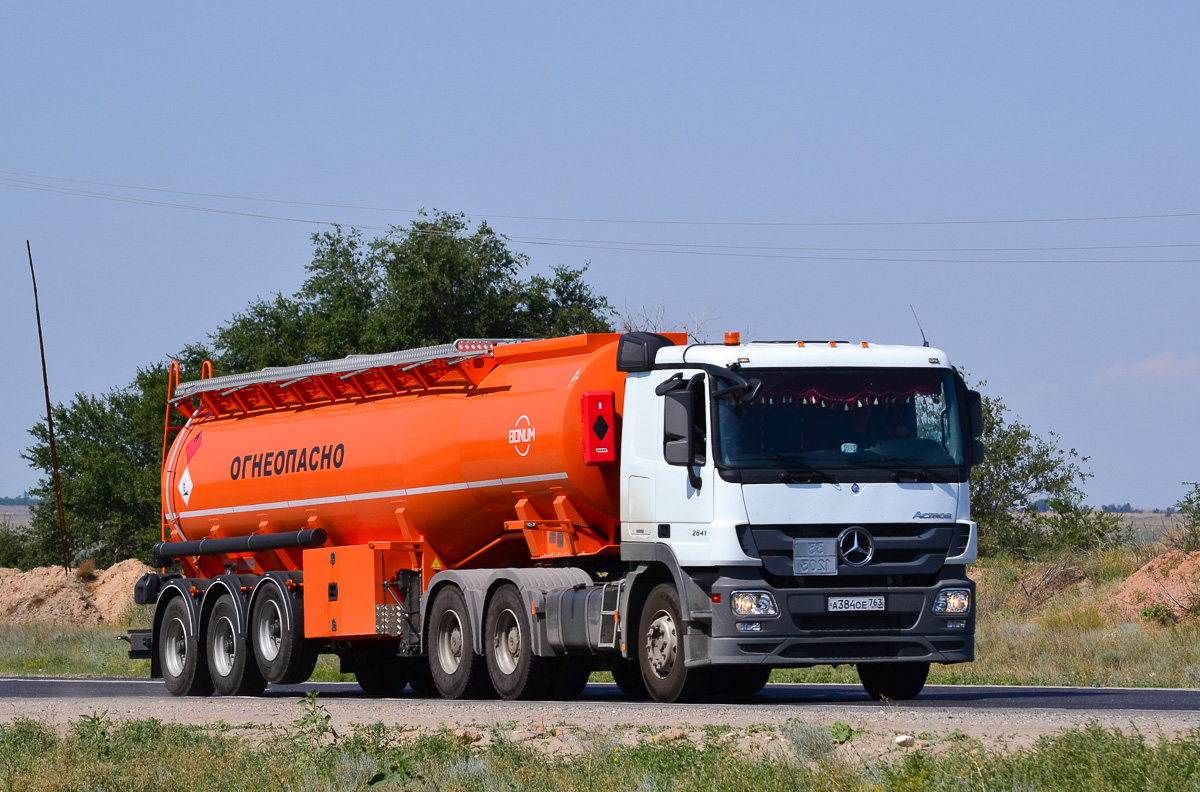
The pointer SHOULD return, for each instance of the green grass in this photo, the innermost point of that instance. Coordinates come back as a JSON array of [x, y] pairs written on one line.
[[58, 650], [96, 753]]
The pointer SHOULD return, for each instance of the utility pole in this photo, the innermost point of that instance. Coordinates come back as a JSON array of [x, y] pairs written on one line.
[[62, 519]]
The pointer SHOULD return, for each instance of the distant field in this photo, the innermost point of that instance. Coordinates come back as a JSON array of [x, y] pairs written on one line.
[[1148, 526], [17, 515]]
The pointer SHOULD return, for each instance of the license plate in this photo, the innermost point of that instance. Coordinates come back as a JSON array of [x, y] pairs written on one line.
[[854, 604], [814, 557]]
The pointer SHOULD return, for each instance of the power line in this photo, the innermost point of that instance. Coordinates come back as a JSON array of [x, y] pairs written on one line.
[[636, 221], [692, 249]]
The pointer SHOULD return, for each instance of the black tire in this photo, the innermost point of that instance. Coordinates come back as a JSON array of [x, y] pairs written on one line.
[[420, 678], [661, 649], [283, 655], [230, 662], [456, 670], [893, 681], [741, 680], [378, 670], [516, 672], [180, 658], [628, 677], [570, 678]]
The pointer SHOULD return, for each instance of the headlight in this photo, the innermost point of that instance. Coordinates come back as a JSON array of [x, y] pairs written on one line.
[[952, 601], [753, 603]]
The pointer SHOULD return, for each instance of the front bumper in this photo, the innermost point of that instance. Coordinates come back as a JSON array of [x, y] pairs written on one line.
[[806, 633]]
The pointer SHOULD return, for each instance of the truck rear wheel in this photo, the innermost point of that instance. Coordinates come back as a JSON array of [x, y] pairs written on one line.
[[516, 672], [420, 679], [894, 681], [283, 656], [661, 652], [457, 671], [233, 671], [184, 668], [378, 670]]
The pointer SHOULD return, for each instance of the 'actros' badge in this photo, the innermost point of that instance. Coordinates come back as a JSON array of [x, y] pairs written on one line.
[[522, 435]]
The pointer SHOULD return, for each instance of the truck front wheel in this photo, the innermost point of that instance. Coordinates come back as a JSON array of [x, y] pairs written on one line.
[[284, 657], [894, 681], [661, 653], [457, 671], [183, 666], [233, 671]]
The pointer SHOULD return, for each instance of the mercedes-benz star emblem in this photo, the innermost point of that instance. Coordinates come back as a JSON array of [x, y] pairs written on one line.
[[856, 546]]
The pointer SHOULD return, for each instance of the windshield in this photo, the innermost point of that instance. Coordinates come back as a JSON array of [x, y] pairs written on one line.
[[842, 418]]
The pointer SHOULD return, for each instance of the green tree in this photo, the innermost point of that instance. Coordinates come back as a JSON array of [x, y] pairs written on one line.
[[1022, 468], [425, 284]]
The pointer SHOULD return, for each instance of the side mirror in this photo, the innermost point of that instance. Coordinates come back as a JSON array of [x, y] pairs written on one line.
[[977, 452], [975, 412], [683, 427], [678, 428]]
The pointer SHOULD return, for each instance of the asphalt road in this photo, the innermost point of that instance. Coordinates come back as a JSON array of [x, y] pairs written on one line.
[[934, 696]]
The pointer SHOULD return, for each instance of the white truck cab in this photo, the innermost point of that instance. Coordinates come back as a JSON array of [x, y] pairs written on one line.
[[811, 497]]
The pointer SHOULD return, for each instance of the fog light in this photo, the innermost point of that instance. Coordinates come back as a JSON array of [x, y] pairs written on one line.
[[753, 603], [956, 624], [749, 627], [952, 601]]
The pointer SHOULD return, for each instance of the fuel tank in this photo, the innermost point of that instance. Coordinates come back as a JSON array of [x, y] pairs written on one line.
[[453, 462]]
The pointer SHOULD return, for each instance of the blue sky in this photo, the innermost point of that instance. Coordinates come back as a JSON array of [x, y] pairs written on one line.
[[806, 169]]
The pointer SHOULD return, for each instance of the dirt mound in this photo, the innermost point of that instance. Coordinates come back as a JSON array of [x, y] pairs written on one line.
[[1172, 580], [48, 594], [112, 590]]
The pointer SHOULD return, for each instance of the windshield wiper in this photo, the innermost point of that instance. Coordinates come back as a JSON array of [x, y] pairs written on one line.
[[910, 472], [804, 475], [796, 473]]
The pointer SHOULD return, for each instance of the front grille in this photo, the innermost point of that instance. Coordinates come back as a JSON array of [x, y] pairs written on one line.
[[905, 549]]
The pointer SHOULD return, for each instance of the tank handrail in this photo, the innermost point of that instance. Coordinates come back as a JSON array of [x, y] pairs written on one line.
[[462, 349]]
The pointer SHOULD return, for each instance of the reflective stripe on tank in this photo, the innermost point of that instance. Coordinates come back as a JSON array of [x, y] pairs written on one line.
[[400, 493]]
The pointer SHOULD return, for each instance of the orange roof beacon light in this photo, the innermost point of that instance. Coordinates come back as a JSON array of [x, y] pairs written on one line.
[[733, 339]]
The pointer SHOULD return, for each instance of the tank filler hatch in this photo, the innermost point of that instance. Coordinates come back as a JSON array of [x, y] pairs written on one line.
[[462, 364]]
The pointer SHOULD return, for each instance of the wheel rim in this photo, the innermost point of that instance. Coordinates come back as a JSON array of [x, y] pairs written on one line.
[[506, 643], [175, 647], [224, 647], [270, 631], [662, 644], [450, 642]]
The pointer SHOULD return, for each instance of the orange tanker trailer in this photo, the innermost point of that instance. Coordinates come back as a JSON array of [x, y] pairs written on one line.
[[498, 515]]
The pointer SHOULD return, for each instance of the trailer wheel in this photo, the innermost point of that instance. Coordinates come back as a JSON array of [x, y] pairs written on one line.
[[894, 681], [745, 680], [378, 670], [456, 670], [283, 656], [516, 672], [232, 670], [661, 649], [183, 666]]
